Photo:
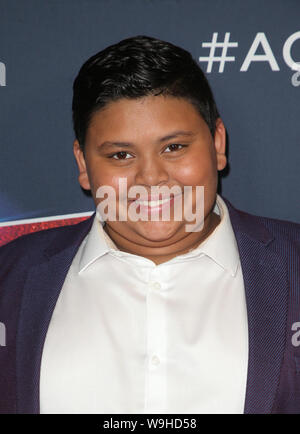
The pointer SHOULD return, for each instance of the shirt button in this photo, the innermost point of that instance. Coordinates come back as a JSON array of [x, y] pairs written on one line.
[[155, 361], [155, 285]]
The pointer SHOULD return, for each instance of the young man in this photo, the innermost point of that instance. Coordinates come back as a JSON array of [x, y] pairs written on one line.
[[126, 315]]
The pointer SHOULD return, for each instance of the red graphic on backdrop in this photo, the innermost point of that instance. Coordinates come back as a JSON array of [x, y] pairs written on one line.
[[9, 233]]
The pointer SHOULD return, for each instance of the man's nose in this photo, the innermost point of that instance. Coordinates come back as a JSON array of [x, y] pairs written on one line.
[[151, 171]]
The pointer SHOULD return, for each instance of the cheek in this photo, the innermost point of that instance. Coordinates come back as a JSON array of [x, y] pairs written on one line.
[[198, 171], [120, 183], [100, 175]]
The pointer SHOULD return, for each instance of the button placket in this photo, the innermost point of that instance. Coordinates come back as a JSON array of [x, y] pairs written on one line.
[[154, 285], [155, 399], [155, 360]]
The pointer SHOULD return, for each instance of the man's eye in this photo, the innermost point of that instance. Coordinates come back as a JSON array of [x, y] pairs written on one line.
[[175, 147], [119, 155]]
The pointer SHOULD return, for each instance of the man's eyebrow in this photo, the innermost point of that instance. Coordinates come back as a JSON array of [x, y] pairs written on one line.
[[115, 144], [172, 135], [175, 134]]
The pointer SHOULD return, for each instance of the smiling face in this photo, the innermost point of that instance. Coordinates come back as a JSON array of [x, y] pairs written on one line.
[[153, 141]]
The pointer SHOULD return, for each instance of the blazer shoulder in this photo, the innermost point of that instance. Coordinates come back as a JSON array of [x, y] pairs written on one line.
[[30, 247], [265, 228], [283, 229]]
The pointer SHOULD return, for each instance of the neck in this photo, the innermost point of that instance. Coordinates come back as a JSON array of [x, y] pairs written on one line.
[[162, 254]]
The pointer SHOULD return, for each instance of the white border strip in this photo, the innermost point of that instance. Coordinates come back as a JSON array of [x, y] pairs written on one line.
[[46, 219]]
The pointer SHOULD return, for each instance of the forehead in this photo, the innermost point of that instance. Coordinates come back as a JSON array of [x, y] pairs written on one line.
[[147, 116]]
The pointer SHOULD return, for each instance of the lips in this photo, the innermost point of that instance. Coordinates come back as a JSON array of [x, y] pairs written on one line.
[[152, 203], [155, 201]]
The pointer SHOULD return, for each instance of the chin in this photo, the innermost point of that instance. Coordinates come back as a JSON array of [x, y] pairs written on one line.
[[157, 231]]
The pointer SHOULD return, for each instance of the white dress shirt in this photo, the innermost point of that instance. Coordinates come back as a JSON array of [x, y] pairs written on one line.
[[130, 336]]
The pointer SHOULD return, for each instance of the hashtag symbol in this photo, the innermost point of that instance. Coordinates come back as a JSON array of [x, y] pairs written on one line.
[[223, 58]]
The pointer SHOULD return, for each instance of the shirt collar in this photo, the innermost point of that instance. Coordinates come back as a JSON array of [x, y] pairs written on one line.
[[220, 246], [97, 244]]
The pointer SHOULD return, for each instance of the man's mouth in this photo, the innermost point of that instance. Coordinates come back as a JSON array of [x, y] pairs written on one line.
[[153, 203]]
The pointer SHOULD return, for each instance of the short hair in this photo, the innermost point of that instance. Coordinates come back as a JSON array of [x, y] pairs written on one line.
[[134, 68]]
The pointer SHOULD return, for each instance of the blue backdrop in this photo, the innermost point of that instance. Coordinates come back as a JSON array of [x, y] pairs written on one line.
[[256, 86]]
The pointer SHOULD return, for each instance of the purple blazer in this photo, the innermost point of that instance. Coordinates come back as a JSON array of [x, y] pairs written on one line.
[[33, 269]]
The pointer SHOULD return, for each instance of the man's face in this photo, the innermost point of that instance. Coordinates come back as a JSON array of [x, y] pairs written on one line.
[[151, 141]]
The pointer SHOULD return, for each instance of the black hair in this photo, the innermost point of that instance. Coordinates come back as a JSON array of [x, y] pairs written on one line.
[[138, 67]]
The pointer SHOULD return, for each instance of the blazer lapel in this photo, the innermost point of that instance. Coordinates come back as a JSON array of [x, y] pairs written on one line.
[[41, 291], [266, 289]]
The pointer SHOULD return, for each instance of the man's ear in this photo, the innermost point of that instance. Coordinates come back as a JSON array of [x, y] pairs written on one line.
[[83, 175], [220, 144]]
